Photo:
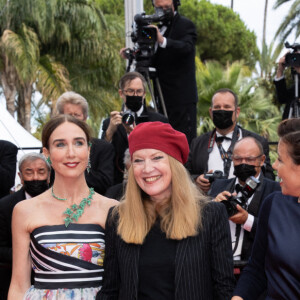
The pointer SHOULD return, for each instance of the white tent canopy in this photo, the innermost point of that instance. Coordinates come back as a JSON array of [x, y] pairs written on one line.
[[12, 131]]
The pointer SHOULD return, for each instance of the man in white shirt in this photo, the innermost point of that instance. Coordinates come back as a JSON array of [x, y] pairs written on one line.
[[213, 150], [248, 158]]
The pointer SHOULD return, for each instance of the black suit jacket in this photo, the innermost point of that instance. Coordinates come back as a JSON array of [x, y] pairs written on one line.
[[101, 175], [7, 205], [120, 140], [285, 95], [203, 264], [8, 161], [197, 163], [175, 64], [265, 188]]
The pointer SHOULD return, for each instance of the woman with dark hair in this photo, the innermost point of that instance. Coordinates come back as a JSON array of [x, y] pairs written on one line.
[[61, 231], [275, 262], [165, 240]]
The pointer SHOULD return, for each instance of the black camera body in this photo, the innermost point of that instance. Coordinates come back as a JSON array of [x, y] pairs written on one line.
[[144, 36], [247, 191], [128, 117], [215, 175], [292, 59]]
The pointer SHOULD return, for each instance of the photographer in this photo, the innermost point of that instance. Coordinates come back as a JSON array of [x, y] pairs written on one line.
[[132, 90], [174, 61], [248, 158], [212, 150], [286, 95]]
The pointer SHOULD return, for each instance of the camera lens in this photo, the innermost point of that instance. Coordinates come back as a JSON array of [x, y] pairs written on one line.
[[128, 118], [230, 208]]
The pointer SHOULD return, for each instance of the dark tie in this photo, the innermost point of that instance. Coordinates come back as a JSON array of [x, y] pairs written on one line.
[[238, 188], [220, 139]]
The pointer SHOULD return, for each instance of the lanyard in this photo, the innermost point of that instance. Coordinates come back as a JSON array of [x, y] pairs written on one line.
[[225, 155]]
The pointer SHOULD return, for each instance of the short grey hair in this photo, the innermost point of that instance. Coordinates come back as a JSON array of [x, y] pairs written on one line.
[[33, 156], [72, 98]]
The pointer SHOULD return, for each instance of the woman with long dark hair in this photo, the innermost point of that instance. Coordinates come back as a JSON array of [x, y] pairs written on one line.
[[60, 233]]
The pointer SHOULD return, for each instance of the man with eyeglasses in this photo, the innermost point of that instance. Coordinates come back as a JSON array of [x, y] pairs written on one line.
[[213, 150], [248, 159], [174, 61], [132, 90]]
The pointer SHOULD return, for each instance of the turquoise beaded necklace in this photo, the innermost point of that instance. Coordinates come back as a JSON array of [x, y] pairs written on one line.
[[75, 211]]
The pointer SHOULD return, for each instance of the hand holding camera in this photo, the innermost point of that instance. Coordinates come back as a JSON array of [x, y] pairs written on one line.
[[247, 191]]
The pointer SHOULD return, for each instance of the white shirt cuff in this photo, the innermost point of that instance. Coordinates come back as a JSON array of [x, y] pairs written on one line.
[[163, 44], [249, 223], [278, 78]]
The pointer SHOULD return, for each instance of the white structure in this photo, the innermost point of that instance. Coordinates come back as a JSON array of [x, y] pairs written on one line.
[[132, 7], [12, 131]]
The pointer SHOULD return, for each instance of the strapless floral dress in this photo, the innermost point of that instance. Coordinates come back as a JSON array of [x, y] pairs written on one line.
[[67, 262]]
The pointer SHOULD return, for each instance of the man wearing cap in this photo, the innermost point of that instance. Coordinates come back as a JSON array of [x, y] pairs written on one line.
[[213, 150], [132, 90]]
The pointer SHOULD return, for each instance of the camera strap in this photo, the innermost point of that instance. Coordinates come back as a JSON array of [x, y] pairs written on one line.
[[237, 237], [225, 155]]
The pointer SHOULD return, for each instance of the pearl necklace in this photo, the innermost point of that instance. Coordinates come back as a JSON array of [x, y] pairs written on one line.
[[75, 211]]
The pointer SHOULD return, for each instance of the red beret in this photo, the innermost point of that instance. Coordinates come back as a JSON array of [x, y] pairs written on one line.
[[160, 136]]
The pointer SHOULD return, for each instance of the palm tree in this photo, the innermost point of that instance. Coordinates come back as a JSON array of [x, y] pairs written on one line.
[[21, 53], [265, 23], [291, 22], [40, 39]]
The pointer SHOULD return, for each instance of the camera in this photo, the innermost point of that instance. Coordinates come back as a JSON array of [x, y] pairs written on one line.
[[128, 117], [247, 191], [215, 175], [144, 36], [292, 59]]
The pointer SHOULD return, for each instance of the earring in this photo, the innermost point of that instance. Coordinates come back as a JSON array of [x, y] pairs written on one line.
[[49, 160], [88, 168]]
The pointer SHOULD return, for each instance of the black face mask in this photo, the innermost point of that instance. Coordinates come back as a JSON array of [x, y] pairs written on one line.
[[134, 103], [222, 118], [165, 14], [35, 187], [243, 171]]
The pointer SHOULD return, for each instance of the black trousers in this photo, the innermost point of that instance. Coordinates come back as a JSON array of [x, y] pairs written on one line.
[[184, 119]]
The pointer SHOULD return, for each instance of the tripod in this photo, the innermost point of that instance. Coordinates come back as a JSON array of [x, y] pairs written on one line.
[[154, 88], [295, 105]]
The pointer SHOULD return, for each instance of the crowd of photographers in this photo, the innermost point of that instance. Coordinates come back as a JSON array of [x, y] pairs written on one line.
[[229, 164]]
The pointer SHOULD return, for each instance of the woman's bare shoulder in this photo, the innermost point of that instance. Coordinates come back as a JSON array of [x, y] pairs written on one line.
[[104, 202]]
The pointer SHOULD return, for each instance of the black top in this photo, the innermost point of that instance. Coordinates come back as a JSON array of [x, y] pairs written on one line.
[[157, 266]]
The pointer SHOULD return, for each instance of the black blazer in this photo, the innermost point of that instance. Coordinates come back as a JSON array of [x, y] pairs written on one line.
[[8, 163], [175, 64], [101, 175], [285, 95], [203, 264], [7, 205], [197, 163], [265, 188], [120, 140]]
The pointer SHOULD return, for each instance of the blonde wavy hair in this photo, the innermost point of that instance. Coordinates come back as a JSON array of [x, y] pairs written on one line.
[[180, 216]]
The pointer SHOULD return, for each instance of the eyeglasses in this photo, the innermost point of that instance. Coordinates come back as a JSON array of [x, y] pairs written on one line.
[[250, 159], [131, 92]]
